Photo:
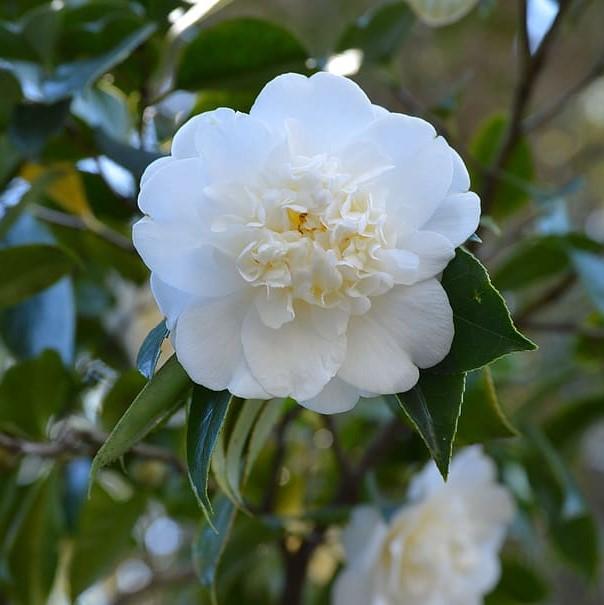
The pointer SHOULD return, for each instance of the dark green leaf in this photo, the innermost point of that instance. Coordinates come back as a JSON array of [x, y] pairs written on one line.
[[576, 539], [240, 52], [518, 171], [148, 354], [32, 124], [34, 556], [207, 412], [481, 415], [26, 270], [46, 320], [103, 537], [158, 399], [433, 406], [380, 32], [262, 429], [11, 95], [483, 327], [120, 396], [520, 583], [31, 392], [209, 546]]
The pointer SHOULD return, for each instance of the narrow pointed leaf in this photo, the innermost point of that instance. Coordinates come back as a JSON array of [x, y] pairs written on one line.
[[207, 413], [154, 403], [433, 407], [483, 327], [148, 355]]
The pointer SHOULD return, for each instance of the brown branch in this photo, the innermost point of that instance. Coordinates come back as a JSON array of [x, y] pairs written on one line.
[[562, 327], [72, 444], [548, 297], [530, 68]]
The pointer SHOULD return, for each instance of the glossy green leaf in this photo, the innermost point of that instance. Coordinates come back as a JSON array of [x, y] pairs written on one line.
[[94, 555], [207, 412], [158, 399], [34, 556], [483, 327], [518, 171], [32, 392], [240, 52], [26, 270], [211, 542], [148, 354], [380, 32], [246, 416], [482, 418], [433, 407]]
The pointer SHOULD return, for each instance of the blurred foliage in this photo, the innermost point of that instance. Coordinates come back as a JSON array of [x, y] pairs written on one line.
[[92, 91]]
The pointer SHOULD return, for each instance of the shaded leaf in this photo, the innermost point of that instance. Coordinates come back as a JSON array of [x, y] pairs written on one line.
[[148, 354], [483, 327], [158, 399], [207, 413], [520, 583], [380, 32], [26, 270], [433, 407], [120, 396], [481, 415], [33, 391], [576, 539], [239, 52], [262, 429], [211, 542]]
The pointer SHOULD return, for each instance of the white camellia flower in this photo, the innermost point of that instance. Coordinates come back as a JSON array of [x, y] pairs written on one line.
[[442, 548], [296, 251]]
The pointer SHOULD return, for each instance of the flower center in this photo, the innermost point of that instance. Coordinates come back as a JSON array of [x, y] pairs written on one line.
[[318, 232]]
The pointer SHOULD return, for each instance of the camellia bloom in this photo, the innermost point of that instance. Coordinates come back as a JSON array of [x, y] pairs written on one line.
[[296, 251], [442, 548]]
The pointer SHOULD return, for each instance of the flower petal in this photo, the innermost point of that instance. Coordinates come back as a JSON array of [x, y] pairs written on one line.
[[325, 110], [461, 178], [171, 301], [434, 251], [184, 142], [353, 588], [294, 360], [419, 318], [274, 306], [207, 341], [337, 396], [456, 218]]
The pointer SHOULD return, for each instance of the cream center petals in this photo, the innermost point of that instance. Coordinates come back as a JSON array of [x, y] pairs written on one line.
[[318, 234]]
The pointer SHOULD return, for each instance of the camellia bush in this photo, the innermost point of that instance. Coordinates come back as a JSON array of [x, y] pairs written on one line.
[[301, 303]]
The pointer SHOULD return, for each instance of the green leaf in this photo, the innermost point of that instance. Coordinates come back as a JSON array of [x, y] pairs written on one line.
[[207, 413], [211, 542], [240, 52], [518, 170], [576, 540], [262, 429], [26, 270], [520, 583], [482, 418], [158, 399], [32, 392], [433, 406], [380, 32], [120, 396], [11, 95], [570, 421], [247, 414], [45, 320], [148, 354], [483, 327], [94, 555], [34, 556]]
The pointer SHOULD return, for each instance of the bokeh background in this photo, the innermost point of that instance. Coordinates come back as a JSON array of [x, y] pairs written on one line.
[[75, 136]]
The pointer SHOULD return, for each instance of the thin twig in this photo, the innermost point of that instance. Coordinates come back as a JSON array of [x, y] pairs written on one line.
[[548, 297], [82, 443]]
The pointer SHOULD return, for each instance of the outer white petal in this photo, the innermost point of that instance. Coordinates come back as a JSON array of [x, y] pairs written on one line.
[[364, 536], [154, 167], [171, 302], [461, 178], [175, 254], [207, 341], [274, 306], [434, 251], [352, 588], [337, 396], [419, 319], [294, 360], [375, 362], [456, 218], [184, 142], [324, 110]]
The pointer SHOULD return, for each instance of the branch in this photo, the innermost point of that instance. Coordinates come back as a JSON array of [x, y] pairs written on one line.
[[548, 297], [82, 443], [530, 69], [562, 327]]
